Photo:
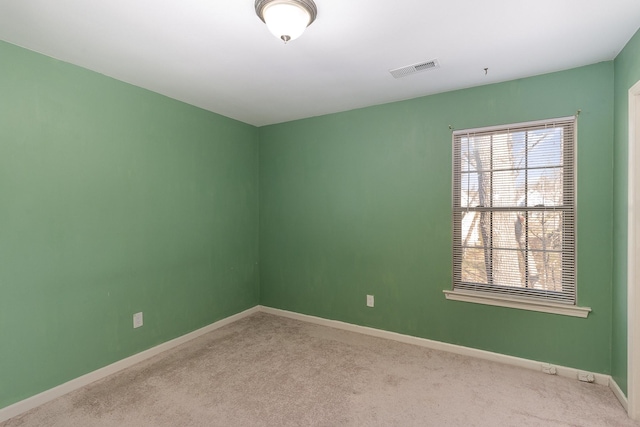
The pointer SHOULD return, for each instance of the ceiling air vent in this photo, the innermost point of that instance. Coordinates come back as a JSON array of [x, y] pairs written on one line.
[[411, 69]]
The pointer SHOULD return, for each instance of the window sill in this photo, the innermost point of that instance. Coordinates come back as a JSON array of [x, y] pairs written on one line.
[[519, 303]]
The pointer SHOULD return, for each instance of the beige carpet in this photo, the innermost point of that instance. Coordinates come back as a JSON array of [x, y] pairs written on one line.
[[266, 370]]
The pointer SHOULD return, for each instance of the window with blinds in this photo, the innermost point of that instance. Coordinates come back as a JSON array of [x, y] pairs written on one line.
[[514, 210]]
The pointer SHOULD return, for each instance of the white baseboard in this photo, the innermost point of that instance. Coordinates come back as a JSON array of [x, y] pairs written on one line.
[[617, 391], [563, 371], [48, 395]]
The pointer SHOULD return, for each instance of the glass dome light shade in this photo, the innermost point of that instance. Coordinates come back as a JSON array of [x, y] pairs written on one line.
[[286, 20]]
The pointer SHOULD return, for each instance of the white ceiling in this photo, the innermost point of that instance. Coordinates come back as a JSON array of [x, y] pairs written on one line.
[[218, 55]]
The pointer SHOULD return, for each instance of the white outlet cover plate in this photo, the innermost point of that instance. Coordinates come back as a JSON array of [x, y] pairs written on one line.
[[369, 300], [137, 320]]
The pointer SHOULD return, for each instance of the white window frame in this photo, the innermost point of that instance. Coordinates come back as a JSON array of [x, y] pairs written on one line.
[[563, 303]]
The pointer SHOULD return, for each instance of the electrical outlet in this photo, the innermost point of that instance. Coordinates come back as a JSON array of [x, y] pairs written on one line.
[[369, 300], [137, 320], [549, 369], [586, 376]]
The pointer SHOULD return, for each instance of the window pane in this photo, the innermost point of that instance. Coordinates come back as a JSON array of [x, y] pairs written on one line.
[[469, 190], [465, 155], [470, 229], [545, 187], [473, 266], [545, 230], [550, 272], [506, 227], [506, 268], [505, 192], [545, 148], [518, 149]]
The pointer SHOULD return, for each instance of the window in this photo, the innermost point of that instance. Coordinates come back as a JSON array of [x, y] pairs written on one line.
[[514, 213]]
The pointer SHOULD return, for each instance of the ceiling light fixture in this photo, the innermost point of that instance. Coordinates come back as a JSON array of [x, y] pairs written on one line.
[[286, 19]]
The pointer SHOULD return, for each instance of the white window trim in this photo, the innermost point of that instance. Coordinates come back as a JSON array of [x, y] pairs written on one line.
[[633, 255], [515, 302]]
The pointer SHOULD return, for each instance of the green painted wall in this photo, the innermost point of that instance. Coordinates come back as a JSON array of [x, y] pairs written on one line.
[[627, 73], [113, 200], [359, 203]]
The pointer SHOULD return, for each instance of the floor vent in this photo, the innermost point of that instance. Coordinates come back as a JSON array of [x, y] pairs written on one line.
[[415, 68]]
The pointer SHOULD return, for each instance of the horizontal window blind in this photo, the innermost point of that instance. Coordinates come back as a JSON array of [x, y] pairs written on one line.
[[514, 210]]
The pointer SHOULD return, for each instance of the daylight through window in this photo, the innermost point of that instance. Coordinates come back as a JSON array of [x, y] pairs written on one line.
[[514, 210]]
